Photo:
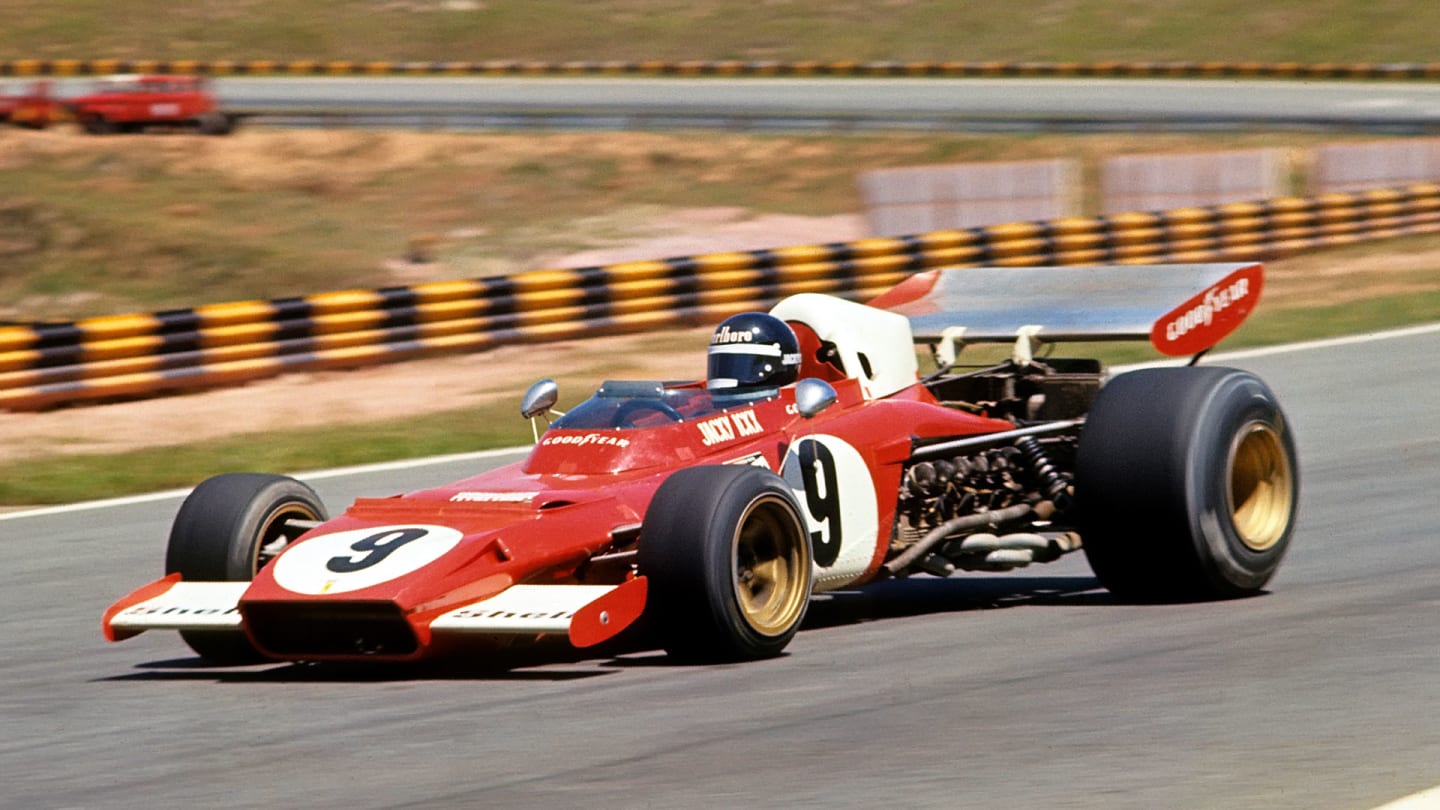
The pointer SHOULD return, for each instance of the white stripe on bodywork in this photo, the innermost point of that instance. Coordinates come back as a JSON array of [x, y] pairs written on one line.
[[522, 609], [186, 606]]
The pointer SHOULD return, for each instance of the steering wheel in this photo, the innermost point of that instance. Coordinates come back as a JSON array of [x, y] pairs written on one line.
[[631, 407]]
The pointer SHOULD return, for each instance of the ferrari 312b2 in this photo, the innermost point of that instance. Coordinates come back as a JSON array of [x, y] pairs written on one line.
[[814, 456]]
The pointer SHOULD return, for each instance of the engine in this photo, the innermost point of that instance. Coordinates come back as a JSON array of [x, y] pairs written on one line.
[[993, 509]]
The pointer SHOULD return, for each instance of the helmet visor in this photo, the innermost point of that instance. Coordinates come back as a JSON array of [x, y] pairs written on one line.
[[733, 366]]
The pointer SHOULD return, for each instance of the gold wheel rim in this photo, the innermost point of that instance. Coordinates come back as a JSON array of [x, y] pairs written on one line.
[[275, 536], [1261, 487], [771, 565]]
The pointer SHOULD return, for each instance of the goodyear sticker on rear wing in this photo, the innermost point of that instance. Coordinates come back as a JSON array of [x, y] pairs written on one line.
[[1210, 315]]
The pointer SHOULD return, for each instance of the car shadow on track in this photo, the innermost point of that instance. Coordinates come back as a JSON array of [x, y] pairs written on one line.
[[922, 595], [915, 596], [543, 661], [556, 661], [196, 669]]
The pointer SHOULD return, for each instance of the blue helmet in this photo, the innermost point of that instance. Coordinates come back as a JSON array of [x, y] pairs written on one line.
[[753, 350]]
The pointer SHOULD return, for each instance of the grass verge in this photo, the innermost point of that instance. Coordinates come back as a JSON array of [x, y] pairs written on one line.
[[557, 30], [66, 479]]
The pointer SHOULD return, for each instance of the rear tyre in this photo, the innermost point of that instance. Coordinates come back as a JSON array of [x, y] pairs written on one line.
[[98, 125], [215, 123], [229, 528], [728, 561], [1186, 484]]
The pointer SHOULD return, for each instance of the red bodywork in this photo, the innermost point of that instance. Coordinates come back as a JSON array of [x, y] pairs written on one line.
[[549, 545], [128, 103]]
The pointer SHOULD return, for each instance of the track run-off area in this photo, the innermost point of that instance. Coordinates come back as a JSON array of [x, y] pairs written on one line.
[[1032, 689]]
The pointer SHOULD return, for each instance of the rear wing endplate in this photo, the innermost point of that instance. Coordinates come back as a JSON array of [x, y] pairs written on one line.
[[1182, 309]]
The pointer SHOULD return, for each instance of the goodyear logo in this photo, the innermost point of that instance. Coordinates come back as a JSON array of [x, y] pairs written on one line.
[[1204, 312]]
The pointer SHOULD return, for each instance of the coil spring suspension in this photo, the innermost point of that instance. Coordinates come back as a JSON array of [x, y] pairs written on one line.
[[1052, 482]]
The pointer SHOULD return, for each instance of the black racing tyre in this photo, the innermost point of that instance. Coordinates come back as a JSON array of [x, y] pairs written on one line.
[[728, 561], [230, 527], [98, 125], [215, 123], [1186, 484]]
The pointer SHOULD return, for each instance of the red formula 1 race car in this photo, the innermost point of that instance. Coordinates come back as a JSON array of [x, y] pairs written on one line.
[[813, 457]]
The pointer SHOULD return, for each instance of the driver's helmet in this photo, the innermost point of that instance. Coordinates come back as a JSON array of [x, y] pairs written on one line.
[[752, 352]]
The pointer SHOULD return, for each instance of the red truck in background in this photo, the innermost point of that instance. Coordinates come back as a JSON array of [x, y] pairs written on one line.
[[127, 103]]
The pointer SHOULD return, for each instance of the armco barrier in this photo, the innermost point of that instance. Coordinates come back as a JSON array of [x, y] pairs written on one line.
[[269, 67], [222, 344]]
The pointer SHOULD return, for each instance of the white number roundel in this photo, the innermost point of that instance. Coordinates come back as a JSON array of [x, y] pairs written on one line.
[[351, 560], [837, 496]]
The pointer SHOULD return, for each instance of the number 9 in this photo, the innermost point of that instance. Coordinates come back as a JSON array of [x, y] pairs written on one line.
[[822, 498]]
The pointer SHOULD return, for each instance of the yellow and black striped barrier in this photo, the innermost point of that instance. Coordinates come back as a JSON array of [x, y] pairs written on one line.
[[126, 356], [519, 67]]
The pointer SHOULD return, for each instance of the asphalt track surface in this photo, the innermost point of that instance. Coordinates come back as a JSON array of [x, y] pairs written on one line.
[[824, 102], [796, 103], [1033, 689]]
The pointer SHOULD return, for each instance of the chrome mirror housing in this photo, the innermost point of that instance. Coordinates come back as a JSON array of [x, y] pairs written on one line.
[[540, 398], [813, 395]]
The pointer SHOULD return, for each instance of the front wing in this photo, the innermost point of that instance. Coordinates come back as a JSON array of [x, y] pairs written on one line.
[[587, 614]]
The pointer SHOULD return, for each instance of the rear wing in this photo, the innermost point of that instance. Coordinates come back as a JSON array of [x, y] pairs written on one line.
[[1182, 309]]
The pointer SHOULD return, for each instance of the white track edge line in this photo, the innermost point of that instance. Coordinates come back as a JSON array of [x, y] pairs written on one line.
[[1288, 348], [1328, 343], [389, 466]]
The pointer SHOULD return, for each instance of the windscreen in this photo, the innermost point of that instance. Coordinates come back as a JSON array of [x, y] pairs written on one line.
[[626, 405]]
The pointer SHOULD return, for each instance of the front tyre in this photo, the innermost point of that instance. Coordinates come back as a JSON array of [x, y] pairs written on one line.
[[229, 528], [728, 562], [1186, 484]]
